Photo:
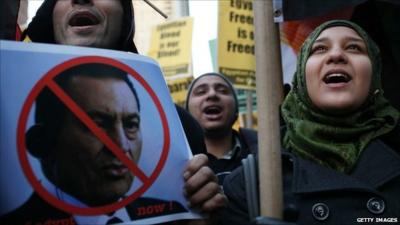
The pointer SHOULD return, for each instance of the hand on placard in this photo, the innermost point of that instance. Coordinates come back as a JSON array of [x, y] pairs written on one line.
[[201, 186]]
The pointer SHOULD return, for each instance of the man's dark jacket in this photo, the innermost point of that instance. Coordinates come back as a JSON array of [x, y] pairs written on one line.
[[223, 167]]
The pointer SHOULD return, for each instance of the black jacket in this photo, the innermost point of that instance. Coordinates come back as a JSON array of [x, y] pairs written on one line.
[[193, 131], [314, 194], [223, 167]]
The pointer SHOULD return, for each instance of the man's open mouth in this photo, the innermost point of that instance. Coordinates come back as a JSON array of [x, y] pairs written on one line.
[[336, 78], [81, 19], [212, 110]]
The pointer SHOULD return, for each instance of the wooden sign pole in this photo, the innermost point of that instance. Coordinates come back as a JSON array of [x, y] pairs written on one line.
[[269, 98]]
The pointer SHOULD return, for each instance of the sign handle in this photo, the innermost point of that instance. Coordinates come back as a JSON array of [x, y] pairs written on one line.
[[269, 97]]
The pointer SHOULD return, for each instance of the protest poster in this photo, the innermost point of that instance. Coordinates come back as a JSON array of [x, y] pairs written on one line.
[[88, 136], [171, 46], [236, 55]]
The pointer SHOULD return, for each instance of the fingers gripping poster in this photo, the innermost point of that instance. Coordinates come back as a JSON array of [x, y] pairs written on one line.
[[88, 136]]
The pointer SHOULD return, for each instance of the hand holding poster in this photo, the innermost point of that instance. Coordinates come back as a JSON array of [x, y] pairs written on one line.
[[89, 139]]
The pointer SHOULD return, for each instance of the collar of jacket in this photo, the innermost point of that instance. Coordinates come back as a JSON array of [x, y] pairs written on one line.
[[376, 166]]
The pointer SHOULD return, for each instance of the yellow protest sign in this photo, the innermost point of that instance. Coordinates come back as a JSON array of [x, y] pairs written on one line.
[[178, 88], [236, 57], [171, 45]]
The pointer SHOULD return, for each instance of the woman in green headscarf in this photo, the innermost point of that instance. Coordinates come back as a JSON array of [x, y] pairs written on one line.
[[337, 166], [336, 107]]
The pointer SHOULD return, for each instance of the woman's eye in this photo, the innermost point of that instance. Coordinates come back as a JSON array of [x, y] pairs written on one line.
[[319, 49], [354, 48]]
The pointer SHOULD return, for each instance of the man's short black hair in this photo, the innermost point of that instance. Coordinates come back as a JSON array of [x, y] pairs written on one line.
[[50, 110]]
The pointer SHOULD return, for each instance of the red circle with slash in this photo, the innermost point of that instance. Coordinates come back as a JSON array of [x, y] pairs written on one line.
[[47, 80]]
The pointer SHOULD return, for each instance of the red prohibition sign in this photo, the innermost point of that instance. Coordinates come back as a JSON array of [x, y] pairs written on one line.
[[47, 80]]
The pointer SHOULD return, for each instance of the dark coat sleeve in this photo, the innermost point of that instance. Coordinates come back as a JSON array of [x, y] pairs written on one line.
[[393, 138], [8, 19], [250, 139], [234, 189], [193, 131]]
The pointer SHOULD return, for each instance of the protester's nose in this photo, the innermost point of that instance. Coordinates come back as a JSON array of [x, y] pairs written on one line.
[[337, 55], [81, 2], [211, 93]]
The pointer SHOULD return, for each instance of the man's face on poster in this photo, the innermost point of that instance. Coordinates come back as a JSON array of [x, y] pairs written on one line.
[[84, 166]]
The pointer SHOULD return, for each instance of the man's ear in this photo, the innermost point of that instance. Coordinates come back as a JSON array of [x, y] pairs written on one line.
[[36, 141]]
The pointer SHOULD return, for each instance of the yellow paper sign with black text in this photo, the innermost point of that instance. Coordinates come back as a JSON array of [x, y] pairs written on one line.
[[236, 57], [171, 46]]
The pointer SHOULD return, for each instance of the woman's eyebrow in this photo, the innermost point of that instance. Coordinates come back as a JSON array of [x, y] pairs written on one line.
[[320, 40], [347, 38], [356, 39]]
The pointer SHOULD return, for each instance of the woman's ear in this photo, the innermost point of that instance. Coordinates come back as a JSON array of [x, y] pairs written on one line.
[[36, 141]]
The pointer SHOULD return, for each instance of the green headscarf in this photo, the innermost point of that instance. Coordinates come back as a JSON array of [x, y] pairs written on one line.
[[335, 141]]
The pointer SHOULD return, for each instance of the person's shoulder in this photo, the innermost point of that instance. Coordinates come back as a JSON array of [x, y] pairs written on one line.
[[248, 132], [187, 119], [392, 139], [250, 138], [235, 190], [234, 183], [193, 131]]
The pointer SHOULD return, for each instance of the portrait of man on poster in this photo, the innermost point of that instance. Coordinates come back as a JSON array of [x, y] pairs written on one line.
[[78, 167]]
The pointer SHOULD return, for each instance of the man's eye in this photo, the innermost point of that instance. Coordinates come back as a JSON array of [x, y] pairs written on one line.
[[223, 90], [200, 92], [132, 125]]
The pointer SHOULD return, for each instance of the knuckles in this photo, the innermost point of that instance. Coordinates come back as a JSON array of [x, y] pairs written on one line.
[[200, 179], [219, 201]]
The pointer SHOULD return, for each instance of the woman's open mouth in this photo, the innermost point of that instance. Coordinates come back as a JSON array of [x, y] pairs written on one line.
[[335, 78]]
